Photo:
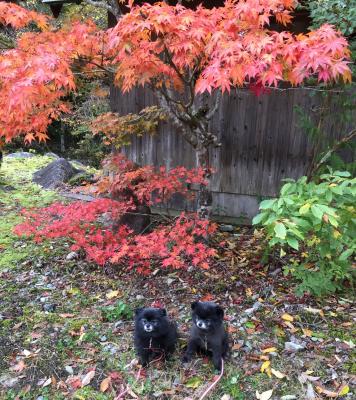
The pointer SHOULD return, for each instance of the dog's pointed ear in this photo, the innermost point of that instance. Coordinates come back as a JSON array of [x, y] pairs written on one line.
[[219, 311], [138, 310], [194, 304]]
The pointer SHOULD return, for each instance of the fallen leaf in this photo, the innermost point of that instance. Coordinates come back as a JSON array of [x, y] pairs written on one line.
[[269, 350], [47, 382], [104, 385], [327, 393], [287, 317], [314, 311], [307, 332], [193, 382], [112, 294], [265, 365], [207, 297], [74, 381], [344, 390], [87, 378], [19, 367], [277, 374], [66, 315], [236, 346], [310, 394], [265, 395]]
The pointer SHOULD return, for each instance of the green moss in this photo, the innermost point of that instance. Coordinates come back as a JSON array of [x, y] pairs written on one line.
[[89, 393]]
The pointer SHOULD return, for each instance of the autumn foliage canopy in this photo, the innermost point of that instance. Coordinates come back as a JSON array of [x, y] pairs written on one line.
[[158, 45]]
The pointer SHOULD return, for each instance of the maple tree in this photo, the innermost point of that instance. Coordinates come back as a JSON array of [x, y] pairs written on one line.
[[177, 244], [188, 57]]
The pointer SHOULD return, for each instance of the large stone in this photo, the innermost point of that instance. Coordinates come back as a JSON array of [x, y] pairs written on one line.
[[20, 154], [55, 174]]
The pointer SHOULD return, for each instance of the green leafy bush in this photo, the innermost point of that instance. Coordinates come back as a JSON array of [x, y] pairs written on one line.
[[341, 13], [119, 310], [319, 220]]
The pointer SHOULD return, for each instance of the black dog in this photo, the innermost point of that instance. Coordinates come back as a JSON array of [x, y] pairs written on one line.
[[208, 333], [155, 334]]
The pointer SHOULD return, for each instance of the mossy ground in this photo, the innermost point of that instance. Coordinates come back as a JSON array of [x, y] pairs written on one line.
[[61, 319]]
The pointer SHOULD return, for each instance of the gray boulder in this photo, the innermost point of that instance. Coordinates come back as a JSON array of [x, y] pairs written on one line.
[[52, 155], [20, 154], [55, 174]]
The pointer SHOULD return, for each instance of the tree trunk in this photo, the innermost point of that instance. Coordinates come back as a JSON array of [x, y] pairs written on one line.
[[205, 198]]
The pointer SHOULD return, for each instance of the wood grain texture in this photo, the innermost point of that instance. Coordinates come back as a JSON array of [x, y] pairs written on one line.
[[262, 142]]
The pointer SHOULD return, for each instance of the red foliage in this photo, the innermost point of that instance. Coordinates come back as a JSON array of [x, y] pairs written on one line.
[[18, 17], [177, 245], [149, 186], [37, 75], [161, 46]]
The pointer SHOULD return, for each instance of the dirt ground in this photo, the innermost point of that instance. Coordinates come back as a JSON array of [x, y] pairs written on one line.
[[66, 325]]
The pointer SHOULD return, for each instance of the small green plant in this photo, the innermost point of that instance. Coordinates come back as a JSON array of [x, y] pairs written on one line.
[[231, 386], [119, 310], [319, 219]]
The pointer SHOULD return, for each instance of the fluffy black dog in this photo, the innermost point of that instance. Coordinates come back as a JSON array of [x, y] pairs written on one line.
[[207, 333], [155, 334]]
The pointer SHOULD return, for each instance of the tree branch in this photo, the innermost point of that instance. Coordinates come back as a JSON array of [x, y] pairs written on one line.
[[177, 120], [211, 113], [350, 136]]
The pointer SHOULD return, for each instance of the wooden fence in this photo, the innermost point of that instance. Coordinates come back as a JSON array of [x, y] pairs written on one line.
[[263, 141]]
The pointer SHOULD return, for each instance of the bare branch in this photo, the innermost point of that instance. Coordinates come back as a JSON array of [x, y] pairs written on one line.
[[326, 156]]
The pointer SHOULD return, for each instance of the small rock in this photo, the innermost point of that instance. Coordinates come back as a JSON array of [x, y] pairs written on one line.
[[49, 307], [293, 347], [40, 398], [170, 281], [254, 308], [226, 228], [43, 299], [289, 397], [50, 286], [140, 297], [72, 256], [69, 369], [103, 338], [110, 348], [117, 324]]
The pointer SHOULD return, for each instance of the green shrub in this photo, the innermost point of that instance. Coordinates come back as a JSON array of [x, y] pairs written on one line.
[[319, 219], [119, 310]]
